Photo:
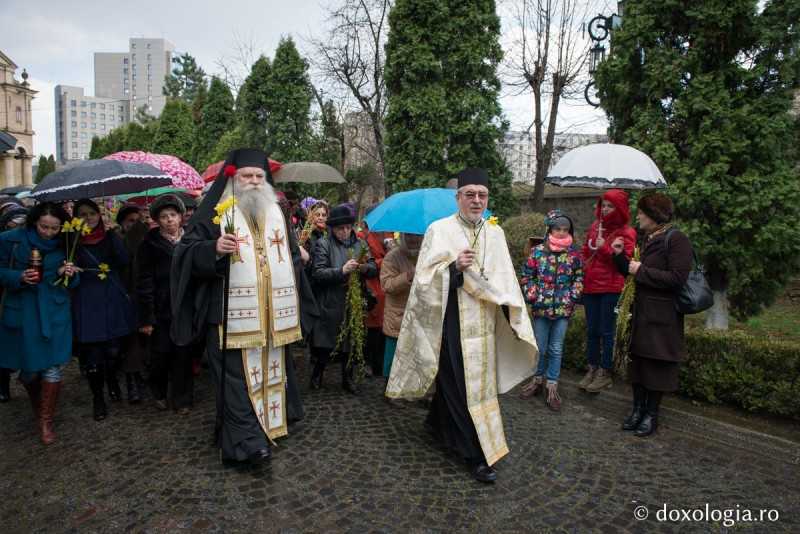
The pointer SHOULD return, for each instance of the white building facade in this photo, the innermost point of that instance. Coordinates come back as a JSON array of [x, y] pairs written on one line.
[[519, 151]]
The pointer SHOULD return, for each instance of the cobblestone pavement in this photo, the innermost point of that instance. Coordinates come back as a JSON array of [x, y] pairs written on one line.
[[358, 464]]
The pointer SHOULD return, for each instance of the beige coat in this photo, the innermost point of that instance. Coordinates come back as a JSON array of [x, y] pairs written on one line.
[[395, 283]]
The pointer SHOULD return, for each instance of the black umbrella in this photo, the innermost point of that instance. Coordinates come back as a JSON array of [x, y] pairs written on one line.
[[7, 142], [15, 189], [99, 178]]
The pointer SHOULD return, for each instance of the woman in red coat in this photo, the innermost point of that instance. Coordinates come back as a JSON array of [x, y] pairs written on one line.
[[602, 284]]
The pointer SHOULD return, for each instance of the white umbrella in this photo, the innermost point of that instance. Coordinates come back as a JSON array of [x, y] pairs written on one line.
[[606, 166]]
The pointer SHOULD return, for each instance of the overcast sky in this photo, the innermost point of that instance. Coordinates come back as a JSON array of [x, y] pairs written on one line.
[[55, 41]]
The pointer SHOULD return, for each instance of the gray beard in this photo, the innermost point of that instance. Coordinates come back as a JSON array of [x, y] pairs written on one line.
[[253, 203]]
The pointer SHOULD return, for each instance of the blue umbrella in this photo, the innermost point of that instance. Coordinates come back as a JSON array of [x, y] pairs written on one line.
[[411, 212]]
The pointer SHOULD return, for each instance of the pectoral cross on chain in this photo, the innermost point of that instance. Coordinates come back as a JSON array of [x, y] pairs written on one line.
[[274, 407], [277, 240]]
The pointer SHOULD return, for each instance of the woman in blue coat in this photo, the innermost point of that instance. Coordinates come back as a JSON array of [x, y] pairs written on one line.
[[101, 307], [35, 326]]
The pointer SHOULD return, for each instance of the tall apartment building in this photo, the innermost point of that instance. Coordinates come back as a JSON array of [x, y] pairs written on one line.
[[519, 150], [124, 82], [80, 117]]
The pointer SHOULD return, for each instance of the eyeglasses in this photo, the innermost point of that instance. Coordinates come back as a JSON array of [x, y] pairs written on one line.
[[472, 195]]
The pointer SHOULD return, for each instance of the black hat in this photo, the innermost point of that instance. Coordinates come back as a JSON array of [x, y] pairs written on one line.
[[166, 201], [189, 201], [126, 210], [340, 215], [17, 215], [473, 176], [246, 157]]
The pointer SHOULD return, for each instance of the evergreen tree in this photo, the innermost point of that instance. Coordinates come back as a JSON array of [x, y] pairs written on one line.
[[444, 113], [51, 163], [176, 131], [186, 79], [288, 103], [41, 169], [97, 150], [253, 103], [216, 119], [705, 88], [138, 137]]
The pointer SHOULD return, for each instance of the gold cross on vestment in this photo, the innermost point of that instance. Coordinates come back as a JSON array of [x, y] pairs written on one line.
[[278, 241], [274, 368], [274, 407]]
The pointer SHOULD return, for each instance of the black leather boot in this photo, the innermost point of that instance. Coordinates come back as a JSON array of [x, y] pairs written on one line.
[[95, 377], [649, 422], [114, 391], [134, 396], [638, 411], [348, 384], [5, 384], [316, 376]]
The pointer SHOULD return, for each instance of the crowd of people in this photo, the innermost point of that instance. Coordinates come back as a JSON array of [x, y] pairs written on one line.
[[147, 295]]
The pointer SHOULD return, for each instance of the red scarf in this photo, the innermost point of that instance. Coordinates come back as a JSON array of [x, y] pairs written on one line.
[[95, 236]]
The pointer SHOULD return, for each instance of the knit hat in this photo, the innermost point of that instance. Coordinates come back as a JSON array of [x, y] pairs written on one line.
[[658, 207], [166, 201], [556, 217]]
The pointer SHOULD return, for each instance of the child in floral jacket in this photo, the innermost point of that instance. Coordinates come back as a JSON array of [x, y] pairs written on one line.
[[553, 282]]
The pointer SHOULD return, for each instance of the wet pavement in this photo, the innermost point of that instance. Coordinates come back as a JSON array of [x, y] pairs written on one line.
[[357, 464]]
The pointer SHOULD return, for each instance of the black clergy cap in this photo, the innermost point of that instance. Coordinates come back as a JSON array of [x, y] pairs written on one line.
[[473, 176], [248, 157]]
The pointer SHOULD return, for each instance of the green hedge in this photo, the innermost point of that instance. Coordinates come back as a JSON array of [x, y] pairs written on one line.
[[518, 229], [759, 375]]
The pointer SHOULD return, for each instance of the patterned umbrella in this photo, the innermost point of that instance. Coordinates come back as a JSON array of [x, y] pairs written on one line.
[[183, 175]]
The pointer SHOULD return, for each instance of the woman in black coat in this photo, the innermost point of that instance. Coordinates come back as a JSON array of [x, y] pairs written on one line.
[[657, 342], [102, 311], [333, 261], [171, 365]]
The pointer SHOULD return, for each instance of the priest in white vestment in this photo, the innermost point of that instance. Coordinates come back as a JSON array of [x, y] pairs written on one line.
[[466, 331]]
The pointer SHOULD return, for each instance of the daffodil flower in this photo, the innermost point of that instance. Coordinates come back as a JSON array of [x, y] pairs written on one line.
[[216, 220], [492, 220], [66, 227], [102, 276], [86, 230], [104, 268]]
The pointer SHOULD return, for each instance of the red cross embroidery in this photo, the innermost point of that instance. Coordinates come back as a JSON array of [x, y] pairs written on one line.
[[241, 239], [255, 372], [277, 241], [274, 368], [274, 407]]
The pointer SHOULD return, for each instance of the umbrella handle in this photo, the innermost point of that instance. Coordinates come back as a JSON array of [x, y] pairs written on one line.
[[593, 246]]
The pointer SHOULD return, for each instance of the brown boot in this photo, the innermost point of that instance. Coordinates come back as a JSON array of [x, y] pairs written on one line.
[[553, 399], [34, 390], [602, 380], [532, 388], [47, 411], [588, 377]]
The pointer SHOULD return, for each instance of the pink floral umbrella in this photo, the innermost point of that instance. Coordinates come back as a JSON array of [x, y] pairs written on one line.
[[183, 175]]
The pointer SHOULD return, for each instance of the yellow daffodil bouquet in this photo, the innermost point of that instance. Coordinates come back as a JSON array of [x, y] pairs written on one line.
[[225, 210], [78, 227], [493, 221]]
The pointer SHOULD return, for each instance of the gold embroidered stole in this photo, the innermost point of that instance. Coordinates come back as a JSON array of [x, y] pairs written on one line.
[[263, 314]]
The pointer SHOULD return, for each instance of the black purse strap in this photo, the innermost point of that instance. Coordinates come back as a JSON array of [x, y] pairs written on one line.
[[696, 266]]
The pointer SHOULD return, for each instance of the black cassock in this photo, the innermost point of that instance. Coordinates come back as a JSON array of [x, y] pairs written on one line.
[[449, 416], [197, 292]]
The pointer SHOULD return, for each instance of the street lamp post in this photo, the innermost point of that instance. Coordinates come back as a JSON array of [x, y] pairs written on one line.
[[599, 29]]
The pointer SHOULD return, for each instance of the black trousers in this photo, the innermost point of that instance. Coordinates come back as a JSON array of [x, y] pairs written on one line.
[[102, 355], [172, 372], [323, 356], [374, 346]]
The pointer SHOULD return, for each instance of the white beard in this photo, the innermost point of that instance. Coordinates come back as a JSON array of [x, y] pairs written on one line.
[[253, 203]]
